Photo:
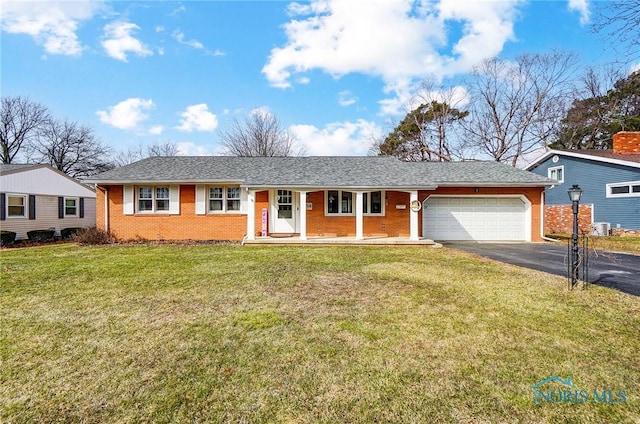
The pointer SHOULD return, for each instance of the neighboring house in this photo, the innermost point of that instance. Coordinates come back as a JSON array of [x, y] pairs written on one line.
[[236, 198], [610, 180], [38, 197]]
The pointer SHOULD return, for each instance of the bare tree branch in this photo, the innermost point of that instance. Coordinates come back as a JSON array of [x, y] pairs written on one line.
[[261, 134], [71, 148], [21, 120], [516, 106]]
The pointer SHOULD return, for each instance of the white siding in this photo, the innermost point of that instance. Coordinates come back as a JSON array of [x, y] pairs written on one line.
[[47, 217], [44, 181]]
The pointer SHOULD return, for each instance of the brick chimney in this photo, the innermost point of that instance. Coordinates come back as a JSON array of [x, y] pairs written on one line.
[[627, 142]]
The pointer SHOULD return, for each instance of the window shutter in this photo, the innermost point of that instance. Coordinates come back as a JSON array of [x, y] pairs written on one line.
[[60, 207], [201, 202], [174, 200], [32, 206], [3, 206], [81, 212], [127, 201]]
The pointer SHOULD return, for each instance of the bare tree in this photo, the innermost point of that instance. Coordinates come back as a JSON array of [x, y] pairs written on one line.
[[618, 22], [261, 134], [71, 148], [20, 123], [516, 106], [134, 154], [125, 157], [162, 148]]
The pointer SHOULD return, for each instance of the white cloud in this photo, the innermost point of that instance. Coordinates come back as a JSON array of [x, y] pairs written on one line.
[[188, 148], [337, 139], [118, 41], [197, 118], [582, 7], [634, 68], [399, 41], [127, 114], [156, 129], [52, 24], [346, 98], [179, 37]]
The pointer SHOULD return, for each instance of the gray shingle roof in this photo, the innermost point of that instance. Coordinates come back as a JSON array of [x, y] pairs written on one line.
[[317, 171]]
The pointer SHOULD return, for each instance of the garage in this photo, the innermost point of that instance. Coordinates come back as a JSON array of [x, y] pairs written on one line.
[[491, 218]]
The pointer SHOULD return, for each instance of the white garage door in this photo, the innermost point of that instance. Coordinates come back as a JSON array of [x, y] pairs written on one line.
[[475, 218]]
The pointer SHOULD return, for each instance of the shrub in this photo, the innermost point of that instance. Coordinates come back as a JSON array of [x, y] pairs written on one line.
[[41, 235], [68, 233], [91, 236], [7, 237]]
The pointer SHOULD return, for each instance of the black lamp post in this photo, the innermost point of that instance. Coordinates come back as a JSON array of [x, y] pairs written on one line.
[[575, 193]]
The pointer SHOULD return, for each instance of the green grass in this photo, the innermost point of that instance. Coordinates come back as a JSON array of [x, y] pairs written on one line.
[[302, 334], [613, 244]]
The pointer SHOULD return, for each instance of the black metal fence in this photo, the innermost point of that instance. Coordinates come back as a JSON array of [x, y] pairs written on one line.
[[578, 262]]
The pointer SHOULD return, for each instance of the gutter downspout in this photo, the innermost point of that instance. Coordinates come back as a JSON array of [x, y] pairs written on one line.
[[542, 218]]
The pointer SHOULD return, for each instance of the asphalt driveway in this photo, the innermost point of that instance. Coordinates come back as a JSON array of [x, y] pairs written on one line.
[[615, 270]]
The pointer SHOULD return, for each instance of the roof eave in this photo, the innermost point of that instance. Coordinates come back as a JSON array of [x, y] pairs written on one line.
[[582, 156]]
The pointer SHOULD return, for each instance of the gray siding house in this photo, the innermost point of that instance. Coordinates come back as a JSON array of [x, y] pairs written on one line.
[[39, 197], [610, 180]]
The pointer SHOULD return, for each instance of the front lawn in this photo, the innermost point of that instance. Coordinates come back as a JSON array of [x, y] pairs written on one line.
[[304, 334], [612, 244]]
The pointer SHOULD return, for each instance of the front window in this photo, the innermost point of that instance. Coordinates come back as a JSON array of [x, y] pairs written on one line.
[[153, 199], [162, 198], [233, 198], [372, 203], [339, 202], [626, 189], [16, 206], [556, 173], [224, 199], [70, 207]]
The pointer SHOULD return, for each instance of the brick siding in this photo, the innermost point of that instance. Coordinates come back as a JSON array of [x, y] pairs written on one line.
[[558, 219], [189, 226]]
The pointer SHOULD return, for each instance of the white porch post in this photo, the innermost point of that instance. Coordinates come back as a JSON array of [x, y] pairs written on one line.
[[413, 217], [251, 215], [302, 205], [359, 216]]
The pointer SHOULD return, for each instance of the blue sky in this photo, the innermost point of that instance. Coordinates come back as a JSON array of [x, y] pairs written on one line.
[[337, 73]]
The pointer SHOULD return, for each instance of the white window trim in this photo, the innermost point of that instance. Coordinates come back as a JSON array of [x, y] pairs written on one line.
[[555, 168], [629, 184], [77, 206], [153, 211], [224, 199], [25, 204], [340, 213], [383, 196]]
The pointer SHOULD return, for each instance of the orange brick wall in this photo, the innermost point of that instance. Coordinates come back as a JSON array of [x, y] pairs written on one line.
[[533, 194], [558, 219], [189, 226], [185, 226]]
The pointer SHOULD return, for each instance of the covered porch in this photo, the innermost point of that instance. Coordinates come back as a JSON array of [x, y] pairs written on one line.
[[332, 216]]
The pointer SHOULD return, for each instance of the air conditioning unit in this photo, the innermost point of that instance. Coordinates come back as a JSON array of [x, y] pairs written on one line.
[[600, 228]]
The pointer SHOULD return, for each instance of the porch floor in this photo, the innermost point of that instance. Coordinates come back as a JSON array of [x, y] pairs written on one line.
[[339, 241]]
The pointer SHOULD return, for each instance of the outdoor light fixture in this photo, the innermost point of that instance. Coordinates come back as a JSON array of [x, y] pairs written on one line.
[[575, 193]]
